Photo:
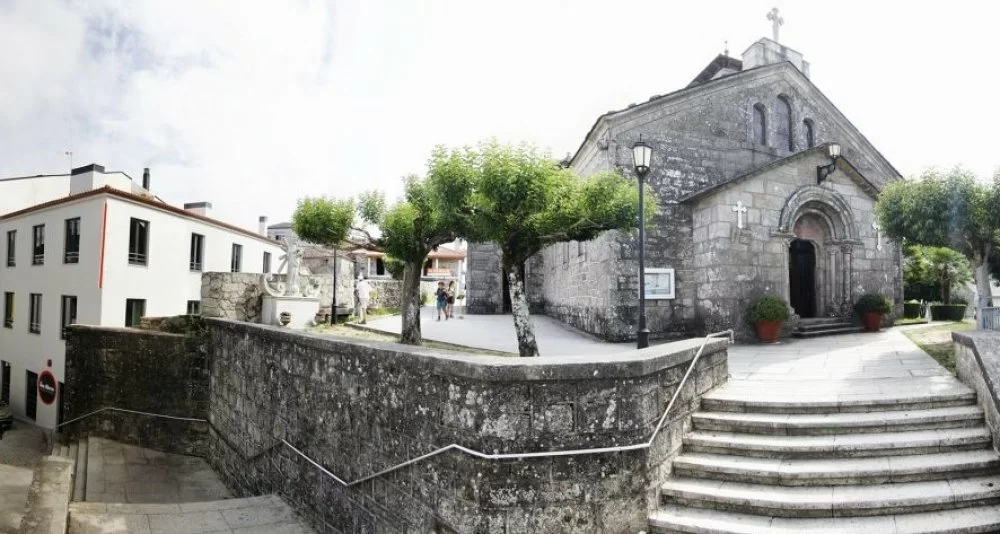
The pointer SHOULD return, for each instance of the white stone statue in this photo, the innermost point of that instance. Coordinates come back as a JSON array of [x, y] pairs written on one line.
[[290, 261]]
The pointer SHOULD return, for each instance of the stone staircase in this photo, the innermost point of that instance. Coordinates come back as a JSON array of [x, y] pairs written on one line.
[[824, 326], [120, 488], [914, 462]]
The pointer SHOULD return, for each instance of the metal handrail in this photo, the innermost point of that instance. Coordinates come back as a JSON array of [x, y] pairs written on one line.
[[471, 452]]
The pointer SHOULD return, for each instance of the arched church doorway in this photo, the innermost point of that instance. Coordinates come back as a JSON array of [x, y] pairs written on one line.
[[802, 277]]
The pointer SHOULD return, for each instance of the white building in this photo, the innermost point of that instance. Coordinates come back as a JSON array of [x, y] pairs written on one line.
[[95, 248]]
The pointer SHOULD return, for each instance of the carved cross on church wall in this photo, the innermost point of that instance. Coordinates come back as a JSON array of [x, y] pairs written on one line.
[[878, 235], [776, 21], [740, 209]]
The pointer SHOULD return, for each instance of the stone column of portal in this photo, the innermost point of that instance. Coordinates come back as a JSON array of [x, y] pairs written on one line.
[[845, 306], [832, 297]]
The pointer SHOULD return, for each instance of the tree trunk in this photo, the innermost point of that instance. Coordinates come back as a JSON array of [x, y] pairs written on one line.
[[984, 293], [526, 344], [410, 302], [946, 289]]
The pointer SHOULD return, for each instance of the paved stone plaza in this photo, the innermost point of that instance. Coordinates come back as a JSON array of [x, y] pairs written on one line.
[[496, 332]]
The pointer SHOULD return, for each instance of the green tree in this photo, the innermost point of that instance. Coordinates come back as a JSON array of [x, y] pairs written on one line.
[[950, 209], [434, 210], [524, 201], [946, 269]]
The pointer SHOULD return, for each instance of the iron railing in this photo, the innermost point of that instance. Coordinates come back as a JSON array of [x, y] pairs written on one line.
[[456, 447], [991, 319]]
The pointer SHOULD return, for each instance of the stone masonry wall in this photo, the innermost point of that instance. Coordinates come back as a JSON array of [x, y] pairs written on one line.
[[977, 363], [484, 292], [701, 137], [239, 295], [357, 408], [139, 370], [733, 266]]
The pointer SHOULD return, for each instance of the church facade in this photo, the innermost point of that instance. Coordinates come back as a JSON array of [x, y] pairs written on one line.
[[743, 210]]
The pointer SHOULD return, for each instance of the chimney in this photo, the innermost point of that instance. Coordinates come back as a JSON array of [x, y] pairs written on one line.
[[145, 178], [262, 225], [199, 208]]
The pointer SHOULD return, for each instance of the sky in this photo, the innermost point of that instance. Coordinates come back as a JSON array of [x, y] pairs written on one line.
[[253, 104]]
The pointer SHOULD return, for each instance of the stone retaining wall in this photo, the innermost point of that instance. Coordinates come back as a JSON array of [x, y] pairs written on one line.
[[977, 362], [139, 370], [357, 408]]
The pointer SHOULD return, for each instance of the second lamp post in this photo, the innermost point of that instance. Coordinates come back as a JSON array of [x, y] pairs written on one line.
[[642, 153]]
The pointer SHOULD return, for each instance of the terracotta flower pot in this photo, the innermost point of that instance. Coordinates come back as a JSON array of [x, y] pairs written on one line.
[[285, 318], [768, 331], [872, 321]]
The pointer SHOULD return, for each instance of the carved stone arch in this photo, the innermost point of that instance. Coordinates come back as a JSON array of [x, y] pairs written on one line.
[[826, 201]]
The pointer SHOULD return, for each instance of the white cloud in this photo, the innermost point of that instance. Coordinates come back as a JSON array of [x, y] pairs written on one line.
[[253, 104]]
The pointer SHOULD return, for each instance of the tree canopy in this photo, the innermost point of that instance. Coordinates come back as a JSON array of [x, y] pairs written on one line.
[[946, 209], [931, 273], [524, 201]]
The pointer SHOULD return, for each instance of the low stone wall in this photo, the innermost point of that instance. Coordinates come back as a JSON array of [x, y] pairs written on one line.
[[138, 370], [977, 362], [359, 407], [239, 296]]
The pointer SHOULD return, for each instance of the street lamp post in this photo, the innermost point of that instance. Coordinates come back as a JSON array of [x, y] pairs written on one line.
[[642, 153]]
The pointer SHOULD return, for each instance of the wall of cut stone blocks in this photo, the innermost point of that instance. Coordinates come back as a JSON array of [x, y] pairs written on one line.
[[701, 138], [977, 364], [484, 287], [359, 408], [138, 370]]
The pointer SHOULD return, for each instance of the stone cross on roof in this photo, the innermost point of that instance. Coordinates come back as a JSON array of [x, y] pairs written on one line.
[[776, 21]]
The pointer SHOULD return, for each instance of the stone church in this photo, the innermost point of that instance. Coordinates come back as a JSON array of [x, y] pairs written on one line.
[[754, 199]]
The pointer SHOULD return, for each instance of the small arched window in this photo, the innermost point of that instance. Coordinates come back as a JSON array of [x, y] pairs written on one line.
[[783, 118], [759, 125], [810, 135]]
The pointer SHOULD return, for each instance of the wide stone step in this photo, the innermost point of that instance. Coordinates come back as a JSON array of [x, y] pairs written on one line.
[[832, 501], [256, 514], [934, 394], [839, 423], [838, 471], [839, 446], [828, 330], [672, 519]]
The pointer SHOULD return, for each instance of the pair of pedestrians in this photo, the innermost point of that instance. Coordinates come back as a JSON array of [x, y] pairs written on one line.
[[446, 300]]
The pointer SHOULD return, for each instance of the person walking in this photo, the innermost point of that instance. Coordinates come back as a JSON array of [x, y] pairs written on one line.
[[364, 290], [442, 300], [449, 311]]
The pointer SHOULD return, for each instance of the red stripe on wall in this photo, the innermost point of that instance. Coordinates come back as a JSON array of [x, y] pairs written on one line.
[[104, 231]]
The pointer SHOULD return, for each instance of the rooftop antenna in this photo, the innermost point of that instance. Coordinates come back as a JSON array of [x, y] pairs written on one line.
[[70, 154]]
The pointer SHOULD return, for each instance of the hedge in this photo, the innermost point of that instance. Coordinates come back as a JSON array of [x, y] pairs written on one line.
[[912, 310], [947, 312]]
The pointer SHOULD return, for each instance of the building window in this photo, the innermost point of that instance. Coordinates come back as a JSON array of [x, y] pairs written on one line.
[[38, 245], [4, 382], [11, 241], [138, 241], [194, 307], [237, 258], [810, 135], [8, 309], [760, 125], [71, 248], [197, 251], [68, 314], [135, 310], [35, 314], [784, 131], [659, 283], [267, 262]]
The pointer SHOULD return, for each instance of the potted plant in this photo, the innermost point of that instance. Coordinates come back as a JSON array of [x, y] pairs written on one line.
[[871, 307], [285, 318], [767, 314]]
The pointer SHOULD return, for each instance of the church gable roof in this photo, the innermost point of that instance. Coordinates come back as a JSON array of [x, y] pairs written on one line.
[[694, 90], [843, 165], [721, 63]]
